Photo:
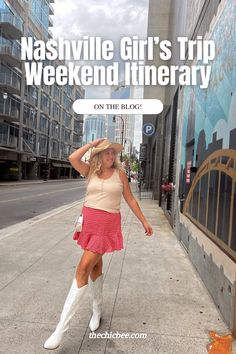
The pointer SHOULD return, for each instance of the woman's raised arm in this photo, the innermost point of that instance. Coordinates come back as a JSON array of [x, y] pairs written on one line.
[[75, 158]]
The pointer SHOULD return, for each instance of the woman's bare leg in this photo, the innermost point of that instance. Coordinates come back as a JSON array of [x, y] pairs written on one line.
[[87, 262], [96, 271]]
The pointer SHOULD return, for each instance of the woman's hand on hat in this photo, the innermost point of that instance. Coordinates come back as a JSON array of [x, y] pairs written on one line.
[[148, 228], [96, 142]]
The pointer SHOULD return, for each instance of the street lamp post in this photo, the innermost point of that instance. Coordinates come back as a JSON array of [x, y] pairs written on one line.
[[122, 132], [47, 153], [129, 168], [4, 96]]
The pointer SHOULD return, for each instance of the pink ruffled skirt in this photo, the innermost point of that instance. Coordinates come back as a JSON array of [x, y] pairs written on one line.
[[101, 231]]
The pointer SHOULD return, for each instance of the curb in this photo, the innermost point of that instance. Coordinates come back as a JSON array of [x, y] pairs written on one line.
[[19, 183], [13, 229]]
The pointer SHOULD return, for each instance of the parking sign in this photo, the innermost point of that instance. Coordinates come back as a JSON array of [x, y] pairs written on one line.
[[148, 129]]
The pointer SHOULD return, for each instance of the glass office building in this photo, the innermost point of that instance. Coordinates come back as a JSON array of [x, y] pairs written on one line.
[[95, 127], [122, 126]]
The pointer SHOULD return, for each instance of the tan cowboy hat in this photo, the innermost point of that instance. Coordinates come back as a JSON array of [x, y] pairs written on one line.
[[106, 144]]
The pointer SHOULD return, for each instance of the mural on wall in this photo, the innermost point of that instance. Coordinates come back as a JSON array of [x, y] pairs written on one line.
[[209, 125]]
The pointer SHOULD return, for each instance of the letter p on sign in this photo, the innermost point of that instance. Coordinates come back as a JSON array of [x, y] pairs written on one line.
[[148, 129]]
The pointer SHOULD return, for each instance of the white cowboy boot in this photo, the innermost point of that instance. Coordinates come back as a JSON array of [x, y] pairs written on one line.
[[73, 301], [96, 289]]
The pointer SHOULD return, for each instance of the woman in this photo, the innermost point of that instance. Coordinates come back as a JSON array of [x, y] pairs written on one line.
[[101, 229]]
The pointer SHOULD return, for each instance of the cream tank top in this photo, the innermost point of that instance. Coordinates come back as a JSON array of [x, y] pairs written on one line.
[[104, 194]]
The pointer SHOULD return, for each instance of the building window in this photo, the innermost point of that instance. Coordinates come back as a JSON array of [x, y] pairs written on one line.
[[29, 140], [42, 145], [43, 123], [30, 117], [45, 103], [209, 202]]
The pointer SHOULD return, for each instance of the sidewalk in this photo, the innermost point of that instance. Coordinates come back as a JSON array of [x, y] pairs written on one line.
[[150, 287]]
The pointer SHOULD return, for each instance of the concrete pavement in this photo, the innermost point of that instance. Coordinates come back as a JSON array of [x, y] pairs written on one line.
[[150, 287]]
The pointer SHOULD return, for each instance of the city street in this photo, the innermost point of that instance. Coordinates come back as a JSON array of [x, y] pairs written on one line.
[[24, 201], [150, 288]]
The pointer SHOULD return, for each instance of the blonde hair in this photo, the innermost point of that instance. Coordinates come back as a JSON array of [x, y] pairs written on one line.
[[96, 165]]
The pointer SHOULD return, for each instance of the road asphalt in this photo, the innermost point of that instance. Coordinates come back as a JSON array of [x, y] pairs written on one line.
[[25, 200]]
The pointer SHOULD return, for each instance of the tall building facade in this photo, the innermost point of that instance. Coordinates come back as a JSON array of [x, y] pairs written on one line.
[[38, 128], [194, 145], [122, 126], [95, 127]]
